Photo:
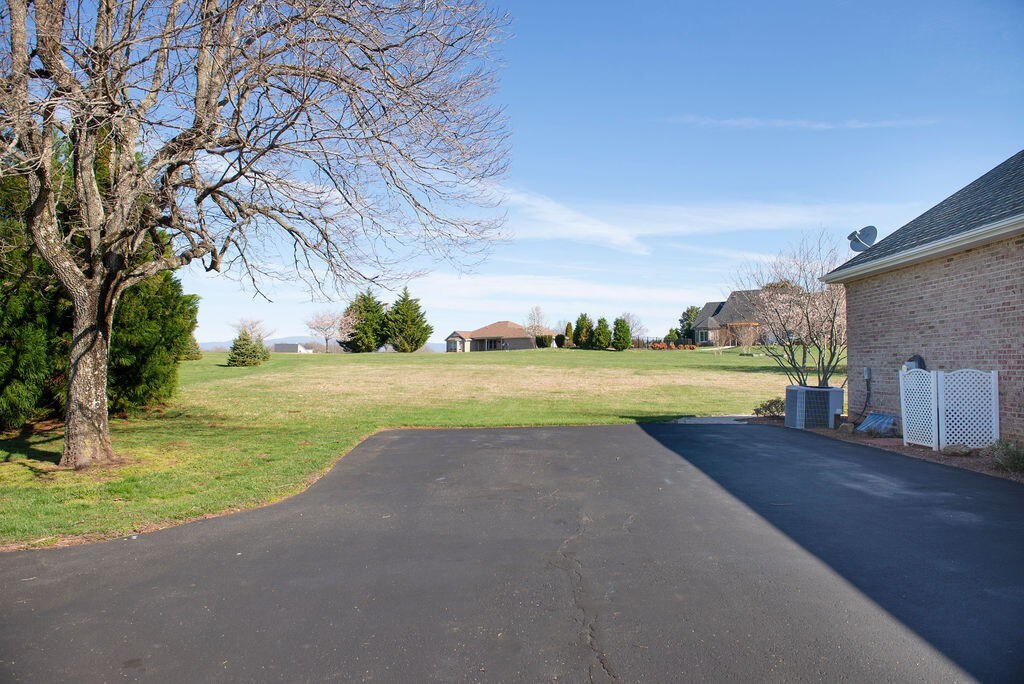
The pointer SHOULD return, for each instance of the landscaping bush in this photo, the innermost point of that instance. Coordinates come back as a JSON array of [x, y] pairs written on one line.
[[583, 333], [658, 346], [602, 334], [544, 341], [621, 337], [1006, 454], [689, 347], [771, 408], [245, 351], [560, 341], [153, 326]]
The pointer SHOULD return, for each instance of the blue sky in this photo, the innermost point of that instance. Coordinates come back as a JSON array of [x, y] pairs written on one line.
[[658, 146]]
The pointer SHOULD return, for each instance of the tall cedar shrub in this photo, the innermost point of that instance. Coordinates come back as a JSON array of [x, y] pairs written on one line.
[[568, 335], [152, 326], [602, 334], [406, 325], [368, 329], [621, 339], [30, 323], [582, 334], [246, 350]]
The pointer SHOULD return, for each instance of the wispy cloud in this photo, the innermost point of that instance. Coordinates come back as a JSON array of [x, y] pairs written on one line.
[[538, 216], [753, 122], [627, 227]]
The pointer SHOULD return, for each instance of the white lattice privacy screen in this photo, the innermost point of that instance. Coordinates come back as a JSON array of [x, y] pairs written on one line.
[[959, 407], [968, 408], [920, 410]]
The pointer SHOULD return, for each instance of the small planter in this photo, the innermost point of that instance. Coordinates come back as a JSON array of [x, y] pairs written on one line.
[[813, 407]]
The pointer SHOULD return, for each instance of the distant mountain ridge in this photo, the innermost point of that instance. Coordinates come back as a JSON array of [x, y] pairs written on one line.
[[294, 339]]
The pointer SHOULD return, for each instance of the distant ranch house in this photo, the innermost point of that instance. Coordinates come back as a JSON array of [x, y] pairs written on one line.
[[949, 287], [503, 335]]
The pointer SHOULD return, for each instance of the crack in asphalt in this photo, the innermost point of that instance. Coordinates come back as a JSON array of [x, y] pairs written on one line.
[[584, 604]]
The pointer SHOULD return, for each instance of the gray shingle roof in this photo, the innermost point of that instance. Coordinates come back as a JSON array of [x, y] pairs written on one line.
[[738, 308], [997, 195], [706, 317]]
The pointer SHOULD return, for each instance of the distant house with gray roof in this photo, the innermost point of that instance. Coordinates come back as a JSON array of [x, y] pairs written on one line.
[[948, 286], [718, 323]]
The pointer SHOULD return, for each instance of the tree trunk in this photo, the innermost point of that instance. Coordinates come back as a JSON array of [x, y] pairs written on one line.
[[86, 428]]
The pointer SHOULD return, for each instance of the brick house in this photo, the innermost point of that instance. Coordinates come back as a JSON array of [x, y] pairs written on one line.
[[948, 286]]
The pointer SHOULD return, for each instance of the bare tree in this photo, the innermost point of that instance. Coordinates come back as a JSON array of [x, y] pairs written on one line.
[[536, 322], [744, 334], [334, 133], [636, 326], [804, 319]]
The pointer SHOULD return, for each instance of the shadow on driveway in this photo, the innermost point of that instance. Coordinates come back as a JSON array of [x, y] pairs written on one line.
[[938, 548]]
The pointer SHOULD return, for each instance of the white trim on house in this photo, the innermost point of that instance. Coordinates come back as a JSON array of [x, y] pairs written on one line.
[[977, 237]]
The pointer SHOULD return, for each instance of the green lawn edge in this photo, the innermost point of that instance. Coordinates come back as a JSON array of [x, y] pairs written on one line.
[[236, 438]]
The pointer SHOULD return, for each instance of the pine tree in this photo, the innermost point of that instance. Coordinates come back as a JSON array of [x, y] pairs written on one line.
[[368, 333], [193, 352], [621, 337], [583, 332], [246, 351], [602, 338], [686, 323], [406, 324]]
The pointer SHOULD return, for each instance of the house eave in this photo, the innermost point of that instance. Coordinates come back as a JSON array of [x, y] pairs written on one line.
[[977, 237]]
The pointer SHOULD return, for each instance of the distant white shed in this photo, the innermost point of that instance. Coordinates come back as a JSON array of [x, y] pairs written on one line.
[[290, 348]]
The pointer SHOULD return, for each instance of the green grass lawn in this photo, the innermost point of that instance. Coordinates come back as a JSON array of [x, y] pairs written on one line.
[[239, 437]]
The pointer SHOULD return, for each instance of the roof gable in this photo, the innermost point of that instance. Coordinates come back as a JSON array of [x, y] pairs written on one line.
[[706, 317], [996, 196], [739, 307]]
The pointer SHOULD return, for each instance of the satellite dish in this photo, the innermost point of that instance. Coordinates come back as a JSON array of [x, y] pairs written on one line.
[[863, 238]]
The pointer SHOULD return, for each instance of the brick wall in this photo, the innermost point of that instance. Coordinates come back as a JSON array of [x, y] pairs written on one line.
[[964, 310]]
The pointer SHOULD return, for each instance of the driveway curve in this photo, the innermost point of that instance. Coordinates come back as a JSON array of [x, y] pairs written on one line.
[[634, 553]]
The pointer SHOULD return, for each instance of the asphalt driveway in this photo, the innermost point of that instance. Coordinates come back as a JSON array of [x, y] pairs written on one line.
[[640, 553]]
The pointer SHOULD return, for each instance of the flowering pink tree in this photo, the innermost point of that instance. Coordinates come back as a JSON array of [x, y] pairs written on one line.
[[331, 325], [802, 319]]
